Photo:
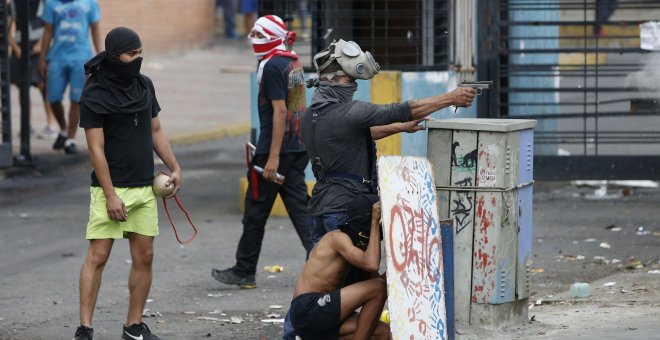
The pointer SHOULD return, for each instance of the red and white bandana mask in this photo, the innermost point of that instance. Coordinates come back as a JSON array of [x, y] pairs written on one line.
[[274, 30]]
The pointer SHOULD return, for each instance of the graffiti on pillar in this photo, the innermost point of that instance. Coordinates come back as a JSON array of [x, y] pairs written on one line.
[[461, 205], [413, 248], [470, 159]]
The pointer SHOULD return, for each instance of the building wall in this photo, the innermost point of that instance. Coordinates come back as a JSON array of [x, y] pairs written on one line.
[[165, 26]]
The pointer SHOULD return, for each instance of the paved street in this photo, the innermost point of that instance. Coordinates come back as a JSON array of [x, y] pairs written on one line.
[[43, 212]]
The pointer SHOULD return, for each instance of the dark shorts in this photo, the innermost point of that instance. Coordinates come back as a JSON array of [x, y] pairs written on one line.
[[16, 74], [317, 315]]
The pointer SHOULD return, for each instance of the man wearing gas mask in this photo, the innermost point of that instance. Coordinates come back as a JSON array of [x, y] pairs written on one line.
[[339, 132]]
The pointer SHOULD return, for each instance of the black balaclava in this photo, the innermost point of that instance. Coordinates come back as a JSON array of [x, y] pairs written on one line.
[[114, 86], [358, 224]]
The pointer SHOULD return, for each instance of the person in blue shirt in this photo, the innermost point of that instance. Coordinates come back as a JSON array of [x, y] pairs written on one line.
[[65, 49]]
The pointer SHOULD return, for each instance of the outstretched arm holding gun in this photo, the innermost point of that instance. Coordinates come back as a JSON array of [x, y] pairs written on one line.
[[479, 86]]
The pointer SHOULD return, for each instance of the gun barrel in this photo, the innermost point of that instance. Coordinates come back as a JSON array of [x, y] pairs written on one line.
[[485, 84]]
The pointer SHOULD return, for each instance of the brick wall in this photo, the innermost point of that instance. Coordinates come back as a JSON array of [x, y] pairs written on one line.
[[165, 26]]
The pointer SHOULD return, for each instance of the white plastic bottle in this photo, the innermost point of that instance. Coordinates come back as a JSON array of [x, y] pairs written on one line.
[[579, 290]]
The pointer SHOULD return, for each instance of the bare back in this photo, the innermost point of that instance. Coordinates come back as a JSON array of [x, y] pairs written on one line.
[[325, 269]]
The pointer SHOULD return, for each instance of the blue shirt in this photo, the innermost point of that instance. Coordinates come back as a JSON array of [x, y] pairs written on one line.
[[71, 20]]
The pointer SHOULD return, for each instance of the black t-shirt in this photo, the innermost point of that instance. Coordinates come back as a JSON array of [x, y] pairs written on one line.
[[282, 80], [128, 144]]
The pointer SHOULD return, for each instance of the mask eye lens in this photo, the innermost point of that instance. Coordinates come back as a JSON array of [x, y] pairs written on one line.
[[359, 68], [351, 49]]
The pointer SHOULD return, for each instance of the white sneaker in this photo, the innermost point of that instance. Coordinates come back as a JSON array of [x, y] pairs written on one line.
[[47, 133]]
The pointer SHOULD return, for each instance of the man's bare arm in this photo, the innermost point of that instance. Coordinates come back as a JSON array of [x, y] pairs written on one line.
[[164, 151], [96, 145], [279, 126], [96, 37], [382, 131], [461, 96]]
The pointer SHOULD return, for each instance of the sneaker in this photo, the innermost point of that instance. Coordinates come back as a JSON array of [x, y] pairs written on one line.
[[47, 133], [83, 333], [228, 277], [59, 142], [70, 149], [138, 331]]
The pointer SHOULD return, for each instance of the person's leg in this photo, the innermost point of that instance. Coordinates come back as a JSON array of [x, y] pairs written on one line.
[[381, 332], [76, 84], [371, 296], [294, 195], [56, 84], [74, 120], [139, 279], [58, 112], [257, 210], [229, 18], [90, 277], [50, 117]]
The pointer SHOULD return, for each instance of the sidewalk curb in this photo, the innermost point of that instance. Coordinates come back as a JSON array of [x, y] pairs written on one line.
[[206, 135]]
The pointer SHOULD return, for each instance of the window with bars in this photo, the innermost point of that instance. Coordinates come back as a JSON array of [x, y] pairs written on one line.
[[407, 35]]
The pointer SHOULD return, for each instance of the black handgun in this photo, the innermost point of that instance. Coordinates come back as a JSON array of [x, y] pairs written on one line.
[[477, 85]]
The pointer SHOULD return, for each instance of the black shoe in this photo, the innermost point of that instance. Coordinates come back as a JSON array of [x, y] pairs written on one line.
[[83, 333], [138, 331], [70, 149], [59, 142], [228, 277]]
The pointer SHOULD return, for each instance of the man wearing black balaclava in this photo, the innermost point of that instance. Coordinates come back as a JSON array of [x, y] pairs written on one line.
[[119, 112]]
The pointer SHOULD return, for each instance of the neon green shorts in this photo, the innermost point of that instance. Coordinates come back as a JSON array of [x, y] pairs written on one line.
[[142, 214]]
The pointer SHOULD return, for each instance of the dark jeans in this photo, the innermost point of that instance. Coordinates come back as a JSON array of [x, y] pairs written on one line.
[[259, 201], [320, 225]]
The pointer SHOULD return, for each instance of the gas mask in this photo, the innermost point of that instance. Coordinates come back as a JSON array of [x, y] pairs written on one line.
[[353, 61]]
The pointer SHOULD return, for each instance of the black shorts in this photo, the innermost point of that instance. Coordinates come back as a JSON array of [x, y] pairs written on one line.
[[16, 76], [317, 315]]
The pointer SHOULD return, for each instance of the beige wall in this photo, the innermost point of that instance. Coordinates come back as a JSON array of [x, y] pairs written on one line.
[[164, 26]]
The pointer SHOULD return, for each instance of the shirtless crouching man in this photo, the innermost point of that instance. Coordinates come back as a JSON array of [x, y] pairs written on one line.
[[320, 309]]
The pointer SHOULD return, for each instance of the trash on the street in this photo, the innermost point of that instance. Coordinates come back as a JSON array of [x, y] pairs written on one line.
[[537, 270], [215, 295], [642, 232], [579, 290], [609, 284], [274, 269], [590, 240], [147, 314], [605, 245], [273, 315], [236, 319], [654, 271], [150, 300], [616, 261], [217, 311], [207, 318], [634, 263], [580, 257], [273, 320], [275, 306], [271, 276], [188, 312]]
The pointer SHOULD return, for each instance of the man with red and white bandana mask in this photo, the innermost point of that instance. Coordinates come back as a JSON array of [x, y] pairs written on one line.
[[279, 149]]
